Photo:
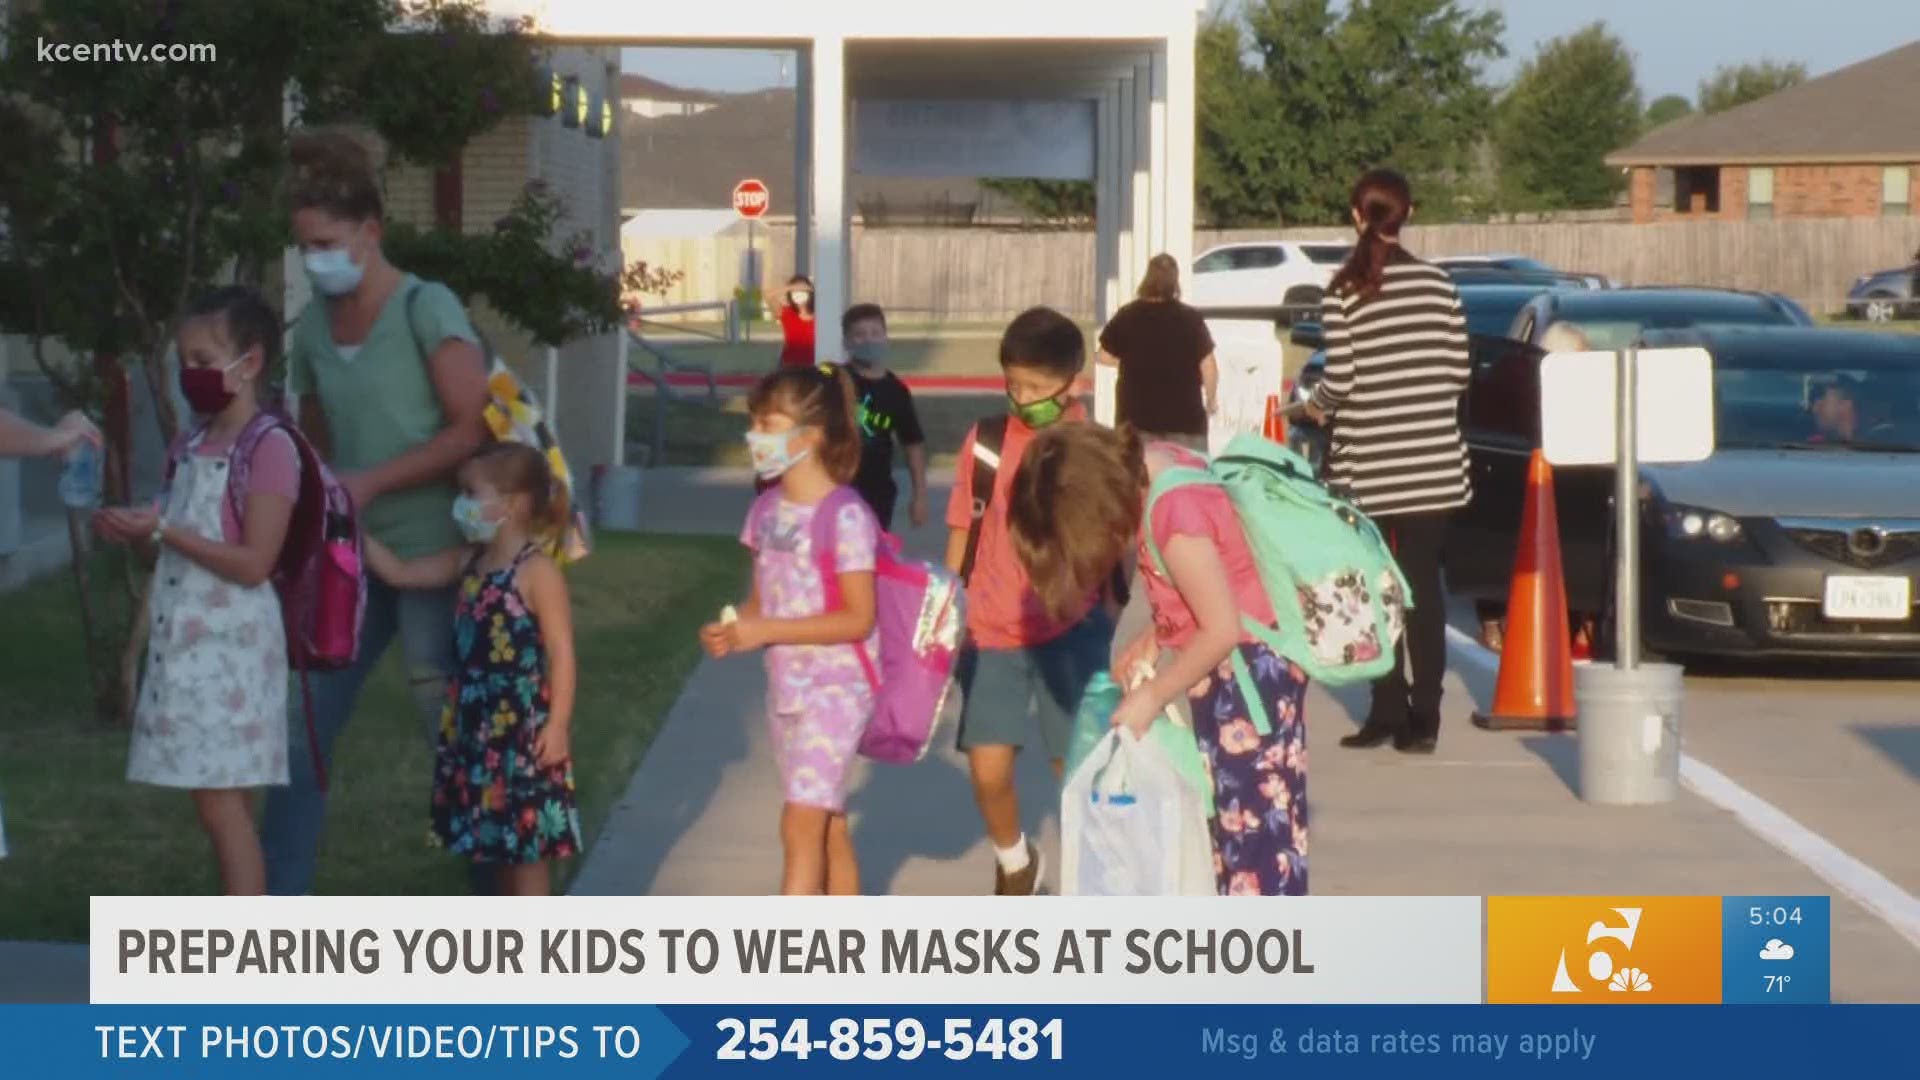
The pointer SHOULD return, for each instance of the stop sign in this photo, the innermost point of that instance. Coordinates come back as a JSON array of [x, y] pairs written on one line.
[[751, 199]]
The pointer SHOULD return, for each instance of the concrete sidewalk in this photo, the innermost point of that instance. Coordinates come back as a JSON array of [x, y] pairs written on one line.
[[1488, 814]]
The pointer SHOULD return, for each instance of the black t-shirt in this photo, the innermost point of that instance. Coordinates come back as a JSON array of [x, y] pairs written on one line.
[[1159, 344], [886, 413]]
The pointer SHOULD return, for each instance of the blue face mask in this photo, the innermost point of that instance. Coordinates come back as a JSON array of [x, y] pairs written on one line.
[[333, 272], [471, 515], [773, 453]]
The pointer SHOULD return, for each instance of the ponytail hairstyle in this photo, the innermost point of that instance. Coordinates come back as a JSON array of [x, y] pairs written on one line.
[[817, 397], [1382, 199], [518, 469], [1075, 509]]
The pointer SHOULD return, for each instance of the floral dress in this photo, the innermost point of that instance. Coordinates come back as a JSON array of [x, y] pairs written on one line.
[[492, 801], [212, 712]]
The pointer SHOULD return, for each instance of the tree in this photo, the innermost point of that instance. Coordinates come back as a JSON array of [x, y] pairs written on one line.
[[1572, 104], [129, 187], [1737, 85], [1333, 93], [1055, 202], [1665, 110]]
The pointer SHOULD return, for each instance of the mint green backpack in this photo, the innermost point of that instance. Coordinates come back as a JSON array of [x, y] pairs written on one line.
[[1339, 598]]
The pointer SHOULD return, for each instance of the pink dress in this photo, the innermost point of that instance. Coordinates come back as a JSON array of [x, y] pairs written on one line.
[[818, 698]]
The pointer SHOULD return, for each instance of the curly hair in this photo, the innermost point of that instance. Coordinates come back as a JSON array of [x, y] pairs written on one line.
[[334, 170]]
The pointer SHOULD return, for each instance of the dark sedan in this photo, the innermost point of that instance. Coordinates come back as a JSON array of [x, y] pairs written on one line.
[[1801, 534], [1887, 294]]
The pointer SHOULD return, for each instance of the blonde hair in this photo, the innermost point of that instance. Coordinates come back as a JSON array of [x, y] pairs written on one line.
[[519, 469], [1075, 509]]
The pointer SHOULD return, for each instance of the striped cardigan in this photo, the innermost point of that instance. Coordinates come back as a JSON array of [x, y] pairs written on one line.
[[1396, 365]]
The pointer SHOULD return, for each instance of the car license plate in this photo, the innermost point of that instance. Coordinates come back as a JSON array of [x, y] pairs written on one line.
[[1868, 598]]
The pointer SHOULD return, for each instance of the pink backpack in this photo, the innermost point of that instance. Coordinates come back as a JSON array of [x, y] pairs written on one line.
[[319, 578], [920, 612]]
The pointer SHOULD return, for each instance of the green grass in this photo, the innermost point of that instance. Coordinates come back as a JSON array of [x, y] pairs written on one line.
[[76, 828], [713, 434], [919, 356]]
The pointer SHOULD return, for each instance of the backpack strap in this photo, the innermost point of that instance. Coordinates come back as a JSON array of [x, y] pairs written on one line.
[[989, 435], [826, 542], [1181, 476]]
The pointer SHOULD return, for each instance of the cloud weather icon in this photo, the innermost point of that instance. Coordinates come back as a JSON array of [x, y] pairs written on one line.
[[1776, 950]]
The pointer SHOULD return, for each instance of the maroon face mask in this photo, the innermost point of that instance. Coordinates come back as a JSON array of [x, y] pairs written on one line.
[[206, 388]]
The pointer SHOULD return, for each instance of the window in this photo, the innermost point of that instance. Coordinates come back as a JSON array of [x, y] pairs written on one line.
[[1258, 258], [1896, 186], [1503, 399], [1214, 262], [1759, 194], [1697, 190], [1663, 187]]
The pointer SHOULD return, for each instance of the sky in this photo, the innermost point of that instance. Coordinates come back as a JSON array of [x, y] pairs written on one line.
[[1677, 43]]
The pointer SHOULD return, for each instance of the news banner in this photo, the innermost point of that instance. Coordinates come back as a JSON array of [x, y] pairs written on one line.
[[639, 987]]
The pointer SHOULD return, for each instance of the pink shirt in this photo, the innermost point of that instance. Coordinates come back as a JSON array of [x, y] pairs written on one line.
[[1003, 611], [274, 470], [1202, 511]]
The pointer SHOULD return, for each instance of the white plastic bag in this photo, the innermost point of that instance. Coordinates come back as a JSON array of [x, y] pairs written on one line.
[[1130, 825]]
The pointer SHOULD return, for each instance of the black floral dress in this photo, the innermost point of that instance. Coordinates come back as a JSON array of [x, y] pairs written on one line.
[[492, 802]]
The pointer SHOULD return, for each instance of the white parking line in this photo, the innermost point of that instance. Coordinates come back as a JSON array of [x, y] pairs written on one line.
[[1849, 876]]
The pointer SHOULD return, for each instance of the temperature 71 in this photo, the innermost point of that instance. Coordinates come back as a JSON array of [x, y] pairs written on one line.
[[1778, 983]]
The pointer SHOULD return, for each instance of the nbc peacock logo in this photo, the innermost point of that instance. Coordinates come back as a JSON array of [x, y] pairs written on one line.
[[1592, 950]]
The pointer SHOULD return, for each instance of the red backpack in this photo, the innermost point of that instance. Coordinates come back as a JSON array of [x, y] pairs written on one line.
[[318, 577]]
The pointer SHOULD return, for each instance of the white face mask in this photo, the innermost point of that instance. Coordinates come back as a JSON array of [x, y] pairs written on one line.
[[800, 297], [333, 271]]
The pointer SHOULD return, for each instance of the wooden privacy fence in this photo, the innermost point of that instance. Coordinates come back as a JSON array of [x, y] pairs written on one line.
[[986, 274]]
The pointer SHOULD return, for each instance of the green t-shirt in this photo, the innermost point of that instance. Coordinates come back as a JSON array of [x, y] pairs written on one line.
[[380, 403]]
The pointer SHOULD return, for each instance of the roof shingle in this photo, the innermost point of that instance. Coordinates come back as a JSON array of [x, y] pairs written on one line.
[[1868, 112]]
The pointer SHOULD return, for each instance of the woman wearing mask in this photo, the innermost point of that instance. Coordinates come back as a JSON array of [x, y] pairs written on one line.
[[392, 388], [796, 323], [1397, 363]]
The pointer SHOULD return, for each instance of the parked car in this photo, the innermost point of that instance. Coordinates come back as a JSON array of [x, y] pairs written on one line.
[[1886, 295], [1260, 273], [1768, 477], [1790, 539], [1517, 263], [1616, 318]]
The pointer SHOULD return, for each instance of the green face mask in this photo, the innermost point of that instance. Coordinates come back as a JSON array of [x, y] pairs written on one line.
[[1037, 414]]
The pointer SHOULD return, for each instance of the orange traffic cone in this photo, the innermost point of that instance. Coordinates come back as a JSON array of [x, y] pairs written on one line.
[[1276, 425], [1535, 688]]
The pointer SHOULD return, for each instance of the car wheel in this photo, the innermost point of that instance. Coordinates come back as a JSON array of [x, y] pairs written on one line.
[[1878, 309]]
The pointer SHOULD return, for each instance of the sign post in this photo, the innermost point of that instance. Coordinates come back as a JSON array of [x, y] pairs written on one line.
[[751, 198], [1662, 412]]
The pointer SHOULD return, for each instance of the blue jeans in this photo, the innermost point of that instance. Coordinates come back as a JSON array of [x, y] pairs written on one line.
[[423, 621]]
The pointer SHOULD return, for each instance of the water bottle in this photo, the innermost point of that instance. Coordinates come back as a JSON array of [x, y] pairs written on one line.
[[80, 477]]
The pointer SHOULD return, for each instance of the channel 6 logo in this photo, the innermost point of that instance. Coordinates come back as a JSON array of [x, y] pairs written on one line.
[[1642, 950]]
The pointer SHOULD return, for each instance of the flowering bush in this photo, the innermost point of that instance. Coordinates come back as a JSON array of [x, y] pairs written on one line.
[[551, 283]]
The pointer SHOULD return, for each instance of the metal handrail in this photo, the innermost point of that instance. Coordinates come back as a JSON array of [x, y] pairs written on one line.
[[663, 392]]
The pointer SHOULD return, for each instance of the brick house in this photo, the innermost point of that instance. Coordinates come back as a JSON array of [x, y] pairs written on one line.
[[1846, 144]]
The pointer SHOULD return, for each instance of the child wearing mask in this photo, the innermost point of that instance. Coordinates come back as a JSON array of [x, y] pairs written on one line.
[[819, 697], [1021, 656], [212, 714], [503, 795], [887, 415]]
